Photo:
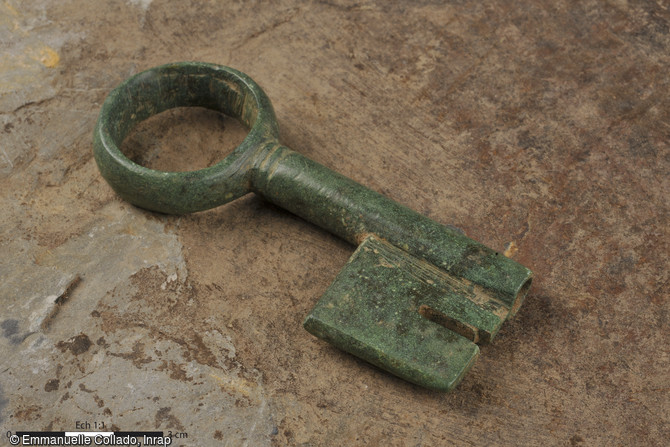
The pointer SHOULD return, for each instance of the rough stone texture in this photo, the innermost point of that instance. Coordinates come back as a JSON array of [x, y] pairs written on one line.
[[540, 128]]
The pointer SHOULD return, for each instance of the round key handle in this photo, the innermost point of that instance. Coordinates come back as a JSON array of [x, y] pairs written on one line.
[[184, 84]]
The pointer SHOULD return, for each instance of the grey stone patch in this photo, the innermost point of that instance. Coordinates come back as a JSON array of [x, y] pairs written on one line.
[[118, 243], [201, 400], [29, 76], [3, 403], [31, 42], [9, 327], [141, 374]]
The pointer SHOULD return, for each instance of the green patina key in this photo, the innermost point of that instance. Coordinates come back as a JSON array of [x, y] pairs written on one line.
[[416, 296]]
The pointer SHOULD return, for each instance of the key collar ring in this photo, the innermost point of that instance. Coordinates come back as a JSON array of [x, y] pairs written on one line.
[[184, 84]]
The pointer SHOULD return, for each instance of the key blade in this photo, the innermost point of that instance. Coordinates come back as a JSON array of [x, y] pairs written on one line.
[[374, 307]]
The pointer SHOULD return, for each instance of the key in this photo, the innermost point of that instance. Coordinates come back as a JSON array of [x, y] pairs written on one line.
[[415, 298]]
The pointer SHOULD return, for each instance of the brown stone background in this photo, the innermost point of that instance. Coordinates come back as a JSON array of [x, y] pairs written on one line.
[[539, 127]]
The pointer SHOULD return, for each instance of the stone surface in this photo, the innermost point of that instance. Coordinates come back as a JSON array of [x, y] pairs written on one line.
[[539, 128]]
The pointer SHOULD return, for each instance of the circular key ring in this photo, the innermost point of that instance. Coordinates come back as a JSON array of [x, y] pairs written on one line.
[[184, 84]]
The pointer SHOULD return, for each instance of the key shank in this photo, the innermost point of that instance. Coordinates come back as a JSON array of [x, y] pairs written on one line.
[[352, 211]]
